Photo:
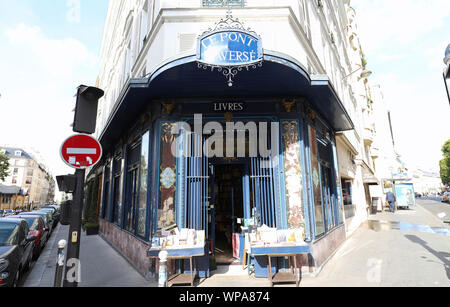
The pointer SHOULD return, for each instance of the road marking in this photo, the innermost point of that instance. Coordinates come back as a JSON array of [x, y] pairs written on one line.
[[441, 215]]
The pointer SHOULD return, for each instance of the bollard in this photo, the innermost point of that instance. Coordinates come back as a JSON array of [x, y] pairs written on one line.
[[60, 264], [162, 280]]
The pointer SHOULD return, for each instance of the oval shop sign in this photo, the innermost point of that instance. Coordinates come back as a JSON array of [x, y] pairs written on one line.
[[229, 48]]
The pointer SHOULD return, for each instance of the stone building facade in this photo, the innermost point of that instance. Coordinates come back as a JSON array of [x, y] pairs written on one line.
[[310, 79]]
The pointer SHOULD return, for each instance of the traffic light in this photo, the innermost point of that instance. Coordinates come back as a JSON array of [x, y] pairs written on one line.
[[67, 183], [66, 213], [86, 109]]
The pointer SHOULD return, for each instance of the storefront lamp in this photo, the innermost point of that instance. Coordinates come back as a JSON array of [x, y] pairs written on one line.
[[364, 74], [446, 73]]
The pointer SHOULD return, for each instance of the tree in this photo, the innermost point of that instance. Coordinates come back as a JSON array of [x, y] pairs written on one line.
[[445, 163], [4, 166]]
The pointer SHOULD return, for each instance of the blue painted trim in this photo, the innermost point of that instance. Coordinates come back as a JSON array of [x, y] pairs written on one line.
[[280, 250], [187, 252]]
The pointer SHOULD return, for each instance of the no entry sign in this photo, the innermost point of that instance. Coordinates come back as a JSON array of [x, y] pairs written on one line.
[[81, 151]]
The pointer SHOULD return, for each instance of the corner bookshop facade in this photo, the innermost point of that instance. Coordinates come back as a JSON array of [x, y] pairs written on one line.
[[214, 139]]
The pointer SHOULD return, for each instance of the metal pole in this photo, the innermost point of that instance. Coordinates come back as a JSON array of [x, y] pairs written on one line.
[[60, 264], [71, 276], [162, 278], [446, 87]]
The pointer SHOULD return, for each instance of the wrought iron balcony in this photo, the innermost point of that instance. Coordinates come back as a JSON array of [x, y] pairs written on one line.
[[223, 3]]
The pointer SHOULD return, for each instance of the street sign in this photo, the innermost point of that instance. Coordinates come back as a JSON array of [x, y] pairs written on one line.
[[81, 151]]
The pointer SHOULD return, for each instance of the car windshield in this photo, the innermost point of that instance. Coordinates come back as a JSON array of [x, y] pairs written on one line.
[[32, 222], [41, 214], [8, 233]]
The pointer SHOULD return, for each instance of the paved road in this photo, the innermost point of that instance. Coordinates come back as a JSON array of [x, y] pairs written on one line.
[[436, 207]]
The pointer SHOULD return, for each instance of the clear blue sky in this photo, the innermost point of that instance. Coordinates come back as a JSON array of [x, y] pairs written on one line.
[[404, 42], [47, 49]]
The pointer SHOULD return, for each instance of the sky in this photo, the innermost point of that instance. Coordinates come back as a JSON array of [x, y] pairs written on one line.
[[49, 47], [404, 42]]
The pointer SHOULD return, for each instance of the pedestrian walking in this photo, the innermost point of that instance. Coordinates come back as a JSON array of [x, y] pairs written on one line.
[[390, 198]]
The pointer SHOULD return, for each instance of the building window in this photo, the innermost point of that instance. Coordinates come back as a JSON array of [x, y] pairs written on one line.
[[106, 192], [18, 153], [16, 171], [132, 186], [223, 3], [30, 173], [142, 209], [317, 193], [14, 180], [349, 208], [117, 191], [28, 181], [293, 175], [167, 177]]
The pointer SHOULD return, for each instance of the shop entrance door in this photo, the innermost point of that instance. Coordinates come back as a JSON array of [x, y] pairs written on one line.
[[228, 208]]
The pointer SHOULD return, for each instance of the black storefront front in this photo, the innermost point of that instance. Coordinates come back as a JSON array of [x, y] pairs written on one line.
[[146, 187]]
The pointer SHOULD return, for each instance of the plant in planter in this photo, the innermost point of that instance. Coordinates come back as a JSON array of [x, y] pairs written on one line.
[[90, 215]]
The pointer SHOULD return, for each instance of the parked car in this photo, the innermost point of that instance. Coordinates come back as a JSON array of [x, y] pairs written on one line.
[[445, 198], [9, 212], [36, 226], [55, 215], [47, 222], [2, 212], [16, 250], [50, 218]]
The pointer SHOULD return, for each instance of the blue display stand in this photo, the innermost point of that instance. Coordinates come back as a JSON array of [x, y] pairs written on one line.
[[261, 261]]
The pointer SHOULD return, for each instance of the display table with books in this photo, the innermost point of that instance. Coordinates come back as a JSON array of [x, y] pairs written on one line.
[[272, 243], [180, 245]]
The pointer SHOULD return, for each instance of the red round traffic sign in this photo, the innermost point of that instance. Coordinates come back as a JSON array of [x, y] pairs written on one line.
[[81, 151]]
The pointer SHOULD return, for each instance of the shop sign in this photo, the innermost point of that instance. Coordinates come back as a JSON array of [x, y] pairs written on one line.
[[228, 106], [229, 48]]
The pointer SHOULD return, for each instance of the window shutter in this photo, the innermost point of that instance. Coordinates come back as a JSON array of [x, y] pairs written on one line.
[[187, 41]]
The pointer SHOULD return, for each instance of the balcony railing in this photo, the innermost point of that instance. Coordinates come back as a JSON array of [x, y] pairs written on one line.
[[223, 3]]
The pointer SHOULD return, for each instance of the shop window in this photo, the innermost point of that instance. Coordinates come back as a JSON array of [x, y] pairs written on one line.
[[28, 181], [349, 208], [132, 185], [167, 177], [106, 192], [117, 191], [317, 193], [328, 184], [293, 175], [142, 208]]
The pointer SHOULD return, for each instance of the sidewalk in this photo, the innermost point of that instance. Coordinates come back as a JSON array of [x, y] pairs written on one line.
[[101, 265], [407, 248], [379, 254]]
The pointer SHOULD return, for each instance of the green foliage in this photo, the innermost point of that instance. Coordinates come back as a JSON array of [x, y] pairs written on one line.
[[445, 163], [4, 166]]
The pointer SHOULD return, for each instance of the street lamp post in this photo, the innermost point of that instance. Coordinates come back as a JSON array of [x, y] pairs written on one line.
[[446, 73]]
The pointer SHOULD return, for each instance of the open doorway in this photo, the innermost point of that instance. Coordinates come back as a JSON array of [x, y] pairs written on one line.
[[228, 199]]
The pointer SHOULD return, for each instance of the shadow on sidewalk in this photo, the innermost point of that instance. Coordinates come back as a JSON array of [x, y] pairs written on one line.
[[440, 255]]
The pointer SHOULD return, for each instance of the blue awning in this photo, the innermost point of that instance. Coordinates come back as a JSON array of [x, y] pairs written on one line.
[[280, 75]]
